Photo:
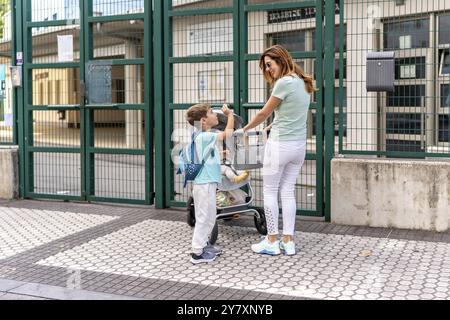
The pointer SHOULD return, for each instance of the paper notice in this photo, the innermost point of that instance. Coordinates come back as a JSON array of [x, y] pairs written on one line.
[[65, 48]]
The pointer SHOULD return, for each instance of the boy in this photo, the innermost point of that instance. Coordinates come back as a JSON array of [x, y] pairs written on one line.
[[205, 184]]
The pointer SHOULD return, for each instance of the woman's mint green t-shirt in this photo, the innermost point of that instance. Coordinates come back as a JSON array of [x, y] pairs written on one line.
[[290, 116]]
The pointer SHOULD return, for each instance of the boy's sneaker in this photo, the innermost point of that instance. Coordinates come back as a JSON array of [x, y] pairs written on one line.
[[209, 247], [288, 248], [205, 257], [267, 247]]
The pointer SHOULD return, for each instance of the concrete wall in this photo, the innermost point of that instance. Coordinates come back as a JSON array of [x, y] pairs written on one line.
[[391, 193], [9, 174]]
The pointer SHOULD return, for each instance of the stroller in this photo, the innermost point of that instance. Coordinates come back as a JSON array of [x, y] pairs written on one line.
[[246, 156]]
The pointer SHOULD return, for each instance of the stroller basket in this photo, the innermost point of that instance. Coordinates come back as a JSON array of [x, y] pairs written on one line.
[[249, 150]]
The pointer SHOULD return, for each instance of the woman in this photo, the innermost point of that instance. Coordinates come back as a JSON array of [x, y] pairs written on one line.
[[286, 147]]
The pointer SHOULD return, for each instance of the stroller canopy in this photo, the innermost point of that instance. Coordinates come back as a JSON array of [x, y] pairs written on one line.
[[238, 122]]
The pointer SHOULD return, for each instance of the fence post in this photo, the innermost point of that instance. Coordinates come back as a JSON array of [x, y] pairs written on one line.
[[329, 103], [159, 119], [19, 109], [243, 50]]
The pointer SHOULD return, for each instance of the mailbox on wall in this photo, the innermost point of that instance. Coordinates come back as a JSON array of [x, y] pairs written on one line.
[[380, 71]]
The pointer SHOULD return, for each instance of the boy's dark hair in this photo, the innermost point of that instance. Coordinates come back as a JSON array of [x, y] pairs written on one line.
[[197, 112]]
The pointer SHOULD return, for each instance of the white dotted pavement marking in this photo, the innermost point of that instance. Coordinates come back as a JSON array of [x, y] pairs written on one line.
[[24, 229], [326, 267]]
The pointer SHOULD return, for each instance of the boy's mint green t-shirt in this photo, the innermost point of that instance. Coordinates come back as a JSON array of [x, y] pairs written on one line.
[[290, 116], [211, 170]]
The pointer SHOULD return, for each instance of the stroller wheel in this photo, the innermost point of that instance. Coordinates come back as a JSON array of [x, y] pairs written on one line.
[[190, 212], [214, 234], [260, 223]]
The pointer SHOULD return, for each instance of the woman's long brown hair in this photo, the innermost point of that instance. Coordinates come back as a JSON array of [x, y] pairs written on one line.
[[287, 65]]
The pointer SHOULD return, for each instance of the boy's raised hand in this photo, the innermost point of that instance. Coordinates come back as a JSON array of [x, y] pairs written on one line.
[[230, 123], [226, 111]]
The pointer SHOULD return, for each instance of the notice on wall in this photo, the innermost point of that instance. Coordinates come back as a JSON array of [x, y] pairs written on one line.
[[65, 48], [211, 86], [405, 42], [407, 72]]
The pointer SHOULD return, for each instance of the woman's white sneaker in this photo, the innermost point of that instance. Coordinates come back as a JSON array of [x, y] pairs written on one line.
[[288, 248], [267, 247]]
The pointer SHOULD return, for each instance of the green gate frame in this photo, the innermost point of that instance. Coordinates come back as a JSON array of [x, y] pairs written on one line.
[[240, 58], [158, 65], [86, 149]]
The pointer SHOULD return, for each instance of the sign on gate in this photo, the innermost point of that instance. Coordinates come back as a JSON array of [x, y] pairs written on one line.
[[278, 16], [99, 82]]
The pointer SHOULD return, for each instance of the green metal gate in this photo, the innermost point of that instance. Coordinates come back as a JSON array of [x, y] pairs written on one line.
[[212, 50], [87, 100]]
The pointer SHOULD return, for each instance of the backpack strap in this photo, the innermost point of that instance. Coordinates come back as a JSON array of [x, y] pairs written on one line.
[[210, 153], [194, 150]]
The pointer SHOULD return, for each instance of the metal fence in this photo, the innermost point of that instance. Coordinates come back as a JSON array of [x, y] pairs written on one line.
[[412, 120], [212, 51], [91, 105], [86, 100], [88, 110]]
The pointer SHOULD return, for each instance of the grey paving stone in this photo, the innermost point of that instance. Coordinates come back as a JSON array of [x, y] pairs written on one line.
[[7, 285], [11, 296], [322, 251], [50, 292]]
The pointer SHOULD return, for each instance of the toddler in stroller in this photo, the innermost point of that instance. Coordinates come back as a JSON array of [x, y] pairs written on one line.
[[235, 194]]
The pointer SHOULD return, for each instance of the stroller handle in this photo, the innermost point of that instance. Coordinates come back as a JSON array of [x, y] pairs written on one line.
[[249, 133], [255, 133]]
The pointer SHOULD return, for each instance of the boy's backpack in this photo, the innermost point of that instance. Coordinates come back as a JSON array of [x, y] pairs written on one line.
[[189, 163]]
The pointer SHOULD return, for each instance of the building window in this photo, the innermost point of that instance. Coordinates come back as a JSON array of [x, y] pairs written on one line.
[[404, 123], [403, 145], [444, 26], [410, 68], [443, 134], [444, 62], [406, 34], [445, 96], [292, 41], [406, 96]]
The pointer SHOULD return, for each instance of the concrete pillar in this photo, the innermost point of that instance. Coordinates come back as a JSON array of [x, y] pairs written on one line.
[[133, 122], [405, 194], [9, 173]]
